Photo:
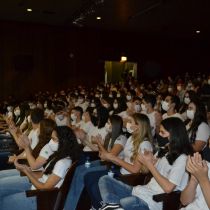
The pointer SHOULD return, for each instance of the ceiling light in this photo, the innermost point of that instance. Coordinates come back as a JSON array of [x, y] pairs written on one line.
[[29, 10], [198, 32], [98, 18], [123, 59]]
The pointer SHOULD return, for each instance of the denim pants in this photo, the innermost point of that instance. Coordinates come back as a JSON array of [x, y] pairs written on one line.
[[116, 192], [77, 184], [9, 172], [12, 194], [91, 185]]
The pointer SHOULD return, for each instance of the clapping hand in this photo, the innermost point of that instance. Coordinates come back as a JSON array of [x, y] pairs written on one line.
[[23, 141], [197, 167], [147, 158], [20, 167]]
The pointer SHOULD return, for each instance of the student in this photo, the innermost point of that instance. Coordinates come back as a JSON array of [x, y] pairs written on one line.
[[38, 157], [171, 106], [140, 140], [168, 173], [197, 127], [196, 194], [114, 143], [12, 195]]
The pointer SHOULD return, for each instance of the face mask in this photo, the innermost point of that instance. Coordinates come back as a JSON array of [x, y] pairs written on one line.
[[53, 145], [17, 112], [45, 105], [179, 88], [128, 127], [128, 97], [162, 141], [73, 117], [186, 100], [108, 129], [9, 108], [170, 90], [165, 106], [190, 114], [137, 108], [115, 105], [143, 107], [97, 96], [83, 118], [92, 105], [106, 105], [209, 81], [110, 96], [118, 95]]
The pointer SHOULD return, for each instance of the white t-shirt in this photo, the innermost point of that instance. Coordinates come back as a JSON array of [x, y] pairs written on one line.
[[87, 127], [174, 173], [202, 133], [165, 116], [121, 140], [94, 132], [60, 169], [34, 137], [46, 152], [128, 151], [199, 202]]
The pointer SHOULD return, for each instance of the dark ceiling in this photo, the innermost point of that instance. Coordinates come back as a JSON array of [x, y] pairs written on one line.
[[147, 16]]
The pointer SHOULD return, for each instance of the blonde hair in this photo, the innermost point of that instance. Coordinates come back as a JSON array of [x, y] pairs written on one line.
[[144, 133]]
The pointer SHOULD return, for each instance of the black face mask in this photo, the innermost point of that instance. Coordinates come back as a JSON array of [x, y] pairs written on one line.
[[206, 153], [162, 141]]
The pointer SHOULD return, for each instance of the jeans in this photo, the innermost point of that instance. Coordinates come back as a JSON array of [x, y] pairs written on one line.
[[9, 172], [91, 185], [12, 194], [116, 192], [77, 184]]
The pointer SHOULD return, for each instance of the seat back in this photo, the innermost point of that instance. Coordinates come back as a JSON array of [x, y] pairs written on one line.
[[64, 189]]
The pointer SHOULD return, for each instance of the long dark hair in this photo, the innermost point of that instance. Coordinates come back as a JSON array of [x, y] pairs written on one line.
[[46, 128], [102, 115], [117, 124], [178, 140], [199, 117], [68, 147]]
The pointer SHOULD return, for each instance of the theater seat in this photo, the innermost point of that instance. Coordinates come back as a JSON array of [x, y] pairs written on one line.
[[53, 199]]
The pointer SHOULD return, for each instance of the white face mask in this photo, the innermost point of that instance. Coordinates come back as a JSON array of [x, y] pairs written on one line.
[[115, 105], [186, 100], [128, 97], [97, 96], [108, 128], [17, 112], [110, 96], [9, 108], [143, 107], [83, 118], [73, 117], [118, 95], [170, 90], [45, 105], [165, 106], [190, 114], [137, 108], [209, 81], [128, 127], [92, 105], [53, 145], [106, 105]]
